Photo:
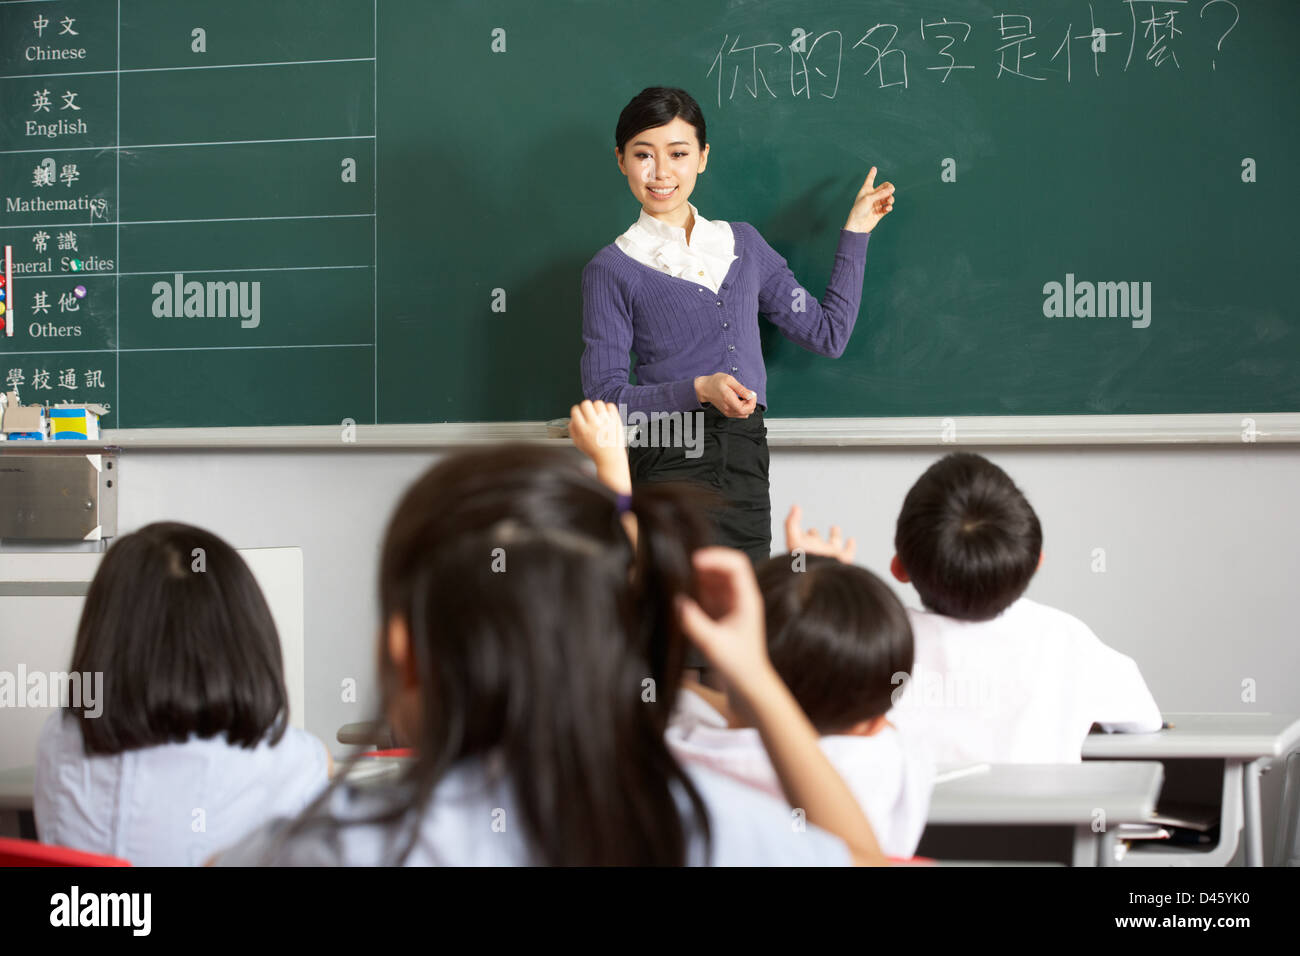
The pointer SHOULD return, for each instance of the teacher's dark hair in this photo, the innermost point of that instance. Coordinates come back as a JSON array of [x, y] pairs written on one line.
[[657, 106], [968, 538], [542, 642], [176, 623]]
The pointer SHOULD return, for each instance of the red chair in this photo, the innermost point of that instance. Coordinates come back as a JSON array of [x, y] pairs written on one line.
[[34, 853]]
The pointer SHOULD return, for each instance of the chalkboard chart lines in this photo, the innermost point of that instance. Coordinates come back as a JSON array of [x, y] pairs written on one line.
[[221, 158]]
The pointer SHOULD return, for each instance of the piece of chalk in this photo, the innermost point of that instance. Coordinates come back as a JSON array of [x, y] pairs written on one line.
[[79, 292]]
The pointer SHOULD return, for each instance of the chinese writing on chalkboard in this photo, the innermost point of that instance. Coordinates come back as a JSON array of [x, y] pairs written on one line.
[[1154, 30]]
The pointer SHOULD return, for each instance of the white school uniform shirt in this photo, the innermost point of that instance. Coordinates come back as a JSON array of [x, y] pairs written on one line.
[[472, 820], [1024, 687], [706, 259], [891, 780], [174, 804]]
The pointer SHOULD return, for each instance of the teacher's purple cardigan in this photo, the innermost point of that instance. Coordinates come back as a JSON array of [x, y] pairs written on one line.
[[680, 329]]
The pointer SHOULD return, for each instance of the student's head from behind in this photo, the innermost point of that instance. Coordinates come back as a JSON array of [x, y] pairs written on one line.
[[176, 623], [660, 143], [518, 623], [838, 637], [967, 538]]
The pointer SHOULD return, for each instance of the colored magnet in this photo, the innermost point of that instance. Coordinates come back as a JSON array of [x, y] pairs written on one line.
[[79, 292], [76, 265]]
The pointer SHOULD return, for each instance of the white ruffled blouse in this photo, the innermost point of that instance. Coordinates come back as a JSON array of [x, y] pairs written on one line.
[[706, 259]]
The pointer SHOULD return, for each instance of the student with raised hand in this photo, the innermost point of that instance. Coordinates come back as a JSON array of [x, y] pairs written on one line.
[[836, 636], [192, 748], [599, 433], [531, 655], [731, 635], [839, 639], [999, 678]]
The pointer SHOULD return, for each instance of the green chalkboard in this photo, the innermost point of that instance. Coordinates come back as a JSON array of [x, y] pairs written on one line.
[[310, 210]]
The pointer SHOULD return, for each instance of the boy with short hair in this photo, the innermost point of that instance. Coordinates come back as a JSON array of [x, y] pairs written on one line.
[[998, 678], [838, 637]]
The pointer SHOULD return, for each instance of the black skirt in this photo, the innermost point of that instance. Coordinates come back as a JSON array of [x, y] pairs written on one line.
[[732, 459]]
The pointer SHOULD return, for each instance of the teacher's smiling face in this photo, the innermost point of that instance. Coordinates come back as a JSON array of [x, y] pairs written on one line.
[[661, 164]]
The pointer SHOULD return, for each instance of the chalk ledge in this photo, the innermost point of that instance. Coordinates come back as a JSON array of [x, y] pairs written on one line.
[[1220, 429]]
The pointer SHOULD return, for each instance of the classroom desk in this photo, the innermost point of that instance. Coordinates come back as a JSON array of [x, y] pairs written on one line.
[[1246, 743], [1009, 802]]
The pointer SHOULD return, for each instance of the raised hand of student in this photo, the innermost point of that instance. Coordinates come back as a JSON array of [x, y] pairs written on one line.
[[727, 622], [597, 431], [872, 204], [810, 542], [727, 626]]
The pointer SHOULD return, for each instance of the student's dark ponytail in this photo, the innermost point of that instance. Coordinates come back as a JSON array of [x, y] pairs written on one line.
[[671, 525], [668, 518], [544, 645]]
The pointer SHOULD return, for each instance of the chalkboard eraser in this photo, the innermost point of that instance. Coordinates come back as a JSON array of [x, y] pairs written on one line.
[[557, 428]]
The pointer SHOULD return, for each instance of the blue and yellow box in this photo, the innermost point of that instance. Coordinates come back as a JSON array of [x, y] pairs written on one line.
[[75, 422]]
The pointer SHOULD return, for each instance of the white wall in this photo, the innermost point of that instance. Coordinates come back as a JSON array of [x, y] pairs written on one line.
[[1200, 548]]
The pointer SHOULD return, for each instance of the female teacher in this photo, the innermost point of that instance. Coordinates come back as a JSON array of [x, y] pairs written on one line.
[[684, 293]]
